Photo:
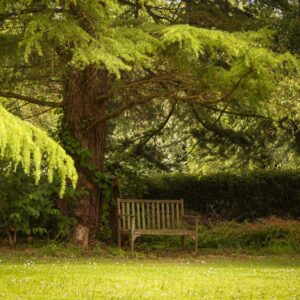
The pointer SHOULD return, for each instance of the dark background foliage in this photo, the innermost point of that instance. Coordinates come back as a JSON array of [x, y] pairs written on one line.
[[246, 196]]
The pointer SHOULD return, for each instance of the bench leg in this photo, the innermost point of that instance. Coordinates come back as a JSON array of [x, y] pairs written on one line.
[[132, 243], [119, 239], [196, 235], [132, 236], [196, 244]]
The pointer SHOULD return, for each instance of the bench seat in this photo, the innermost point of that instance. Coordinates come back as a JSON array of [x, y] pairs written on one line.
[[178, 232]]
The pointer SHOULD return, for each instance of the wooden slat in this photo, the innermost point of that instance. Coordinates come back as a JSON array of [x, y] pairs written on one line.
[[173, 215], [177, 216], [153, 215], [119, 219], [166, 232], [133, 211], [143, 216], [148, 216], [168, 215], [163, 220], [123, 217], [182, 212], [158, 215], [138, 222], [128, 215]]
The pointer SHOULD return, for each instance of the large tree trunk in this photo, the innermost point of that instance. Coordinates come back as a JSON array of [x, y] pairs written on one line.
[[82, 93]]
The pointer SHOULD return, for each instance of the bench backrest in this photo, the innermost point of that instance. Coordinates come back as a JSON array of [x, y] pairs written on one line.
[[150, 214]]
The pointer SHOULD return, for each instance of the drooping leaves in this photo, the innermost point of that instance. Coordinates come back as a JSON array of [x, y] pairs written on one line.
[[23, 143]]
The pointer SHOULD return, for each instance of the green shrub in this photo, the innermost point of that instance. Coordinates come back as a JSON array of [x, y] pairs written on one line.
[[30, 208], [239, 197], [272, 235], [265, 236]]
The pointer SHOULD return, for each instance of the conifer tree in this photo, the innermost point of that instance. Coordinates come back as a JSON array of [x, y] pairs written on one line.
[[94, 60]]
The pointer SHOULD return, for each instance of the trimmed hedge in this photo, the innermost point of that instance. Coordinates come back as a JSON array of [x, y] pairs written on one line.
[[228, 196]]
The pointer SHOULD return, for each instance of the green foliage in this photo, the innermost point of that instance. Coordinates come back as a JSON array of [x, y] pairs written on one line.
[[23, 143], [224, 136], [43, 42], [244, 59], [245, 138], [106, 44], [245, 196], [269, 236], [284, 104], [103, 181], [210, 62], [31, 209], [118, 43], [264, 236]]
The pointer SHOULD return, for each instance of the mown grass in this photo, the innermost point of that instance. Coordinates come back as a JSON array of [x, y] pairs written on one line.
[[204, 277]]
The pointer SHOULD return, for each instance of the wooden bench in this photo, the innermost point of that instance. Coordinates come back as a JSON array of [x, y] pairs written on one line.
[[154, 217]]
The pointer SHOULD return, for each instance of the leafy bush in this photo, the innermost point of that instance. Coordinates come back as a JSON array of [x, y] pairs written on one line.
[[265, 236], [272, 235], [227, 196], [29, 208]]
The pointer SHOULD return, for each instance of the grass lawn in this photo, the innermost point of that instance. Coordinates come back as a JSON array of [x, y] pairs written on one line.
[[205, 277]]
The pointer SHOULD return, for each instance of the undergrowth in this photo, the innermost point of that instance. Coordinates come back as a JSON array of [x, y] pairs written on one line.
[[263, 237]]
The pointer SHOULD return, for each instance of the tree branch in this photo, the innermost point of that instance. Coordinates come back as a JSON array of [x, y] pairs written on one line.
[[25, 12], [235, 137], [235, 113], [37, 114], [30, 99], [125, 106], [157, 130], [149, 9]]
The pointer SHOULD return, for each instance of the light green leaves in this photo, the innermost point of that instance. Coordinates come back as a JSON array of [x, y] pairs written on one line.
[[23, 143]]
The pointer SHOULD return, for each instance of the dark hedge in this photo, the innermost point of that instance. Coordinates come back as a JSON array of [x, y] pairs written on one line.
[[229, 196]]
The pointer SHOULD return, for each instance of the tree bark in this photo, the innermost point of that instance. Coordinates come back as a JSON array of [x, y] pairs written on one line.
[[82, 90]]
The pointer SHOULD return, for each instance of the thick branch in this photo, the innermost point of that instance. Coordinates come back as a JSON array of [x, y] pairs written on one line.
[[25, 12], [233, 136], [125, 106], [30, 99], [196, 99]]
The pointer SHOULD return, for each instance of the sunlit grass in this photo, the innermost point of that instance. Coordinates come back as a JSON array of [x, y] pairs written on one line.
[[201, 278]]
